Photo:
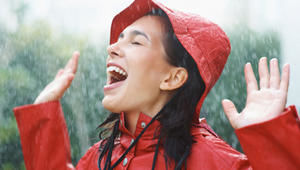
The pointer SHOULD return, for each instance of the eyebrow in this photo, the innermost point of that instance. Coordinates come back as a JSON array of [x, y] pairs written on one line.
[[135, 33]]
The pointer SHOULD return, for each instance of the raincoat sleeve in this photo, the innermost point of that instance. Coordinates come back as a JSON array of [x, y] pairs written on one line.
[[44, 136], [274, 144]]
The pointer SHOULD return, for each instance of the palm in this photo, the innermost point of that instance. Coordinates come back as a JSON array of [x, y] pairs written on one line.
[[63, 79], [262, 104]]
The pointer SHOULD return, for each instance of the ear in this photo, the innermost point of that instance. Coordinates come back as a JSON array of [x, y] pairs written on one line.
[[174, 79]]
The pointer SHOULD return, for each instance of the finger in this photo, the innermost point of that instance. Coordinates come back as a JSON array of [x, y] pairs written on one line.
[[250, 78], [72, 64], [59, 73], [230, 111], [274, 74], [264, 77], [285, 78]]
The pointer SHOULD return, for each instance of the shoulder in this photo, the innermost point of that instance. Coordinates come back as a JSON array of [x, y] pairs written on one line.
[[90, 158], [95, 147], [211, 152]]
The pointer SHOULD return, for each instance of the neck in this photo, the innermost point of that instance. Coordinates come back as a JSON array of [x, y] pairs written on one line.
[[131, 118]]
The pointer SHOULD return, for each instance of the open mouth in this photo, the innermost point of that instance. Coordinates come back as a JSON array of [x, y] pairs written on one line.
[[116, 74]]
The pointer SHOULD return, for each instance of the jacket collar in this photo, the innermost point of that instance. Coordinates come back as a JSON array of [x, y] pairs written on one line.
[[148, 140]]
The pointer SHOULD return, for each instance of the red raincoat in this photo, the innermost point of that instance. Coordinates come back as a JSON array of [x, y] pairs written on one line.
[[274, 144]]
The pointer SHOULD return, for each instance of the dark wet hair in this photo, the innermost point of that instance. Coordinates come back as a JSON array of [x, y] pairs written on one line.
[[176, 116]]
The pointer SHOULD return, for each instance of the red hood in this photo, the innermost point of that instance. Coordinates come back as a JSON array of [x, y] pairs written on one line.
[[205, 41]]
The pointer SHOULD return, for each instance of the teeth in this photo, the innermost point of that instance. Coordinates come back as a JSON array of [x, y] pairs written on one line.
[[116, 69]]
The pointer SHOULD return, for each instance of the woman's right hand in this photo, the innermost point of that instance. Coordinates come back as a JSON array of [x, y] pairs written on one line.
[[62, 81]]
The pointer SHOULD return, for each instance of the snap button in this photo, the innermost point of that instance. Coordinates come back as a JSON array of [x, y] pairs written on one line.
[[143, 124], [132, 140], [125, 161]]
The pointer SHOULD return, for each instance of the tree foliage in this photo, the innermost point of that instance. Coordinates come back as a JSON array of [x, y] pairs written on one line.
[[30, 59]]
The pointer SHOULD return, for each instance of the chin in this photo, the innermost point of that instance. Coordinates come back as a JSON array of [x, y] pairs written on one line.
[[111, 106]]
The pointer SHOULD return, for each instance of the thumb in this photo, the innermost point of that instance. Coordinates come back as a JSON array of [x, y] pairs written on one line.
[[230, 111]]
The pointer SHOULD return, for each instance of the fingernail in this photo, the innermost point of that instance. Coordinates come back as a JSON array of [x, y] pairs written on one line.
[[76, 53], [274, 60], [287, 65], [263, 58], [225, 100]]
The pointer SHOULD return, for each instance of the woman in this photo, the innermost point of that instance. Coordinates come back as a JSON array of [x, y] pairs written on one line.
[[161, 65]]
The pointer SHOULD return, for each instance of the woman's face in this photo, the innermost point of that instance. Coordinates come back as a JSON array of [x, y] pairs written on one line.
[[136, 66]]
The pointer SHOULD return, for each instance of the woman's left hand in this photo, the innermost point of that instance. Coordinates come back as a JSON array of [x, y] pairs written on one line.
[[264, 103]]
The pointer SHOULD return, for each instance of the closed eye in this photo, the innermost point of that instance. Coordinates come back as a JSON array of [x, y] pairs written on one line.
[[136, 43]]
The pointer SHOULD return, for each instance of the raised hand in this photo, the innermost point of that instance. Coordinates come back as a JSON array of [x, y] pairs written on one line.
[[264, 102], [62, 81]]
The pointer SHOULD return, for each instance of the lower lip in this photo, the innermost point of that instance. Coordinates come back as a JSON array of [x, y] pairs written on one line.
[[113, 86]]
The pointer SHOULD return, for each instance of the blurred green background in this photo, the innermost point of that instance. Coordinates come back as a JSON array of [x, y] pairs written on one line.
[[31, 55]]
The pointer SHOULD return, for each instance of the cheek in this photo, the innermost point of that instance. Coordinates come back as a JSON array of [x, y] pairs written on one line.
[[144, 83], [149, 60], [147, 70]]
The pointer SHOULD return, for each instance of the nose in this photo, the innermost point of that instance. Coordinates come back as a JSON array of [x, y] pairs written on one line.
[[114, 50]]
